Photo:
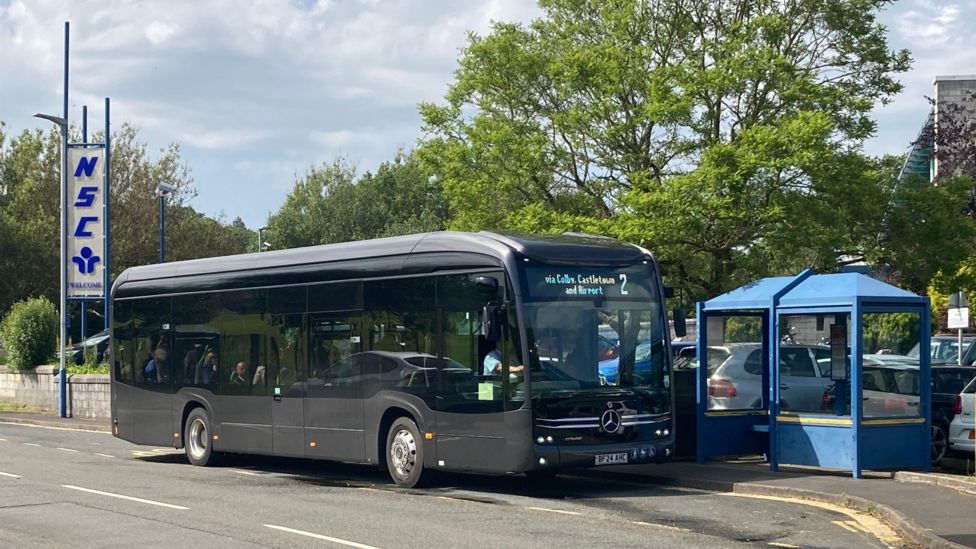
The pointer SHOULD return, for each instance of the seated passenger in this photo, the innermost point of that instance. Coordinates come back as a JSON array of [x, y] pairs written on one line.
[[259, 376], [206, 370], [239, 377]]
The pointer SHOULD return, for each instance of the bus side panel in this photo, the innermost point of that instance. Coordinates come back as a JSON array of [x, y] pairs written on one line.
[[123, 422], [244, 424], [490, 443], [145, 417]]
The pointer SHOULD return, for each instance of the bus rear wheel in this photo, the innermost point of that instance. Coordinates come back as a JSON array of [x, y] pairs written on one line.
[[198, 439], [405, 453]]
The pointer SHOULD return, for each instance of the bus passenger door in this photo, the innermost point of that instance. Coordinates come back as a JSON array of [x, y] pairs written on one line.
[[287, 369], [474, 432], [334, 408]]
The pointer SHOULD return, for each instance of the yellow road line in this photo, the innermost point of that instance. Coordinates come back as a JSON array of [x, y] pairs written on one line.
[[865, 523], [844, 524]]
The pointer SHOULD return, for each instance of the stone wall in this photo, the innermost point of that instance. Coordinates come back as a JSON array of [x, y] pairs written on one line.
[[88, 394]]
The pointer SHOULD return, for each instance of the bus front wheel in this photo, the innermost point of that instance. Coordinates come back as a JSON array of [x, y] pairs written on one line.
[[198, 438], [405, 453]]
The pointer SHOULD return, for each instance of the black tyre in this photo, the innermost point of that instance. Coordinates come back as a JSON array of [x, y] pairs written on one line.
[[940, 443], [405, 453], [198, 439]]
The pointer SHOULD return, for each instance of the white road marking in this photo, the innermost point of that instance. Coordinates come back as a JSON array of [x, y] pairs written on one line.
[[786, 545], [320, 536], [31, 444], [3, 440], [129, 498], [245, 472], [662, 526], [105, 432], [560, 511], [11, 475], [105, 455], [65, 449]]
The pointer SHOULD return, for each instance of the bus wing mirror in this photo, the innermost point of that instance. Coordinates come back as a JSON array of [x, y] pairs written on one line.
[[491, 322], [488, 282], [680, 329]]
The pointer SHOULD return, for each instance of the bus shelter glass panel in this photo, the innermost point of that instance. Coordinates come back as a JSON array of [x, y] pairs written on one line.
[[735, 362], [890, 379], [807, 377]]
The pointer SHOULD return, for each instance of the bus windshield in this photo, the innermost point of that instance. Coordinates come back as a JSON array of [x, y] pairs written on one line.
[[581, 344]]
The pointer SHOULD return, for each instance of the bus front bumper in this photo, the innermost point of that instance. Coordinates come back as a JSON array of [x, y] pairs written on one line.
[[561, 457]]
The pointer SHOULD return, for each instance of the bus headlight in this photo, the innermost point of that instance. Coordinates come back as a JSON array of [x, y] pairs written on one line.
[[540, 440], [549, 439]]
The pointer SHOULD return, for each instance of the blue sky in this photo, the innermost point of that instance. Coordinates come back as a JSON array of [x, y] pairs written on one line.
[[257, 92]]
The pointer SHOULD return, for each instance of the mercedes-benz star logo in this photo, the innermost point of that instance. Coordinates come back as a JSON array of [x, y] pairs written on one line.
[[610, 421]]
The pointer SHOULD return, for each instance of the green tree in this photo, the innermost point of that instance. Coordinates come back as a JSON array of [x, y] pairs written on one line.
[[698, 128], [29, 205], [331, 205]]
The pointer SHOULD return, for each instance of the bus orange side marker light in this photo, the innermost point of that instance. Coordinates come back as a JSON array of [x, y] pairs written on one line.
[[429, 436], [312, 444], [216, 437], [176, 435]]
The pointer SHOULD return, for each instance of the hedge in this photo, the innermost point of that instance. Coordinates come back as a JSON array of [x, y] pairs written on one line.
[[30, 332]]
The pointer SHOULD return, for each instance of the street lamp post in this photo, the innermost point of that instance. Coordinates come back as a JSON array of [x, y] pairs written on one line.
[[162, 191], [63, 297], [261, 238]]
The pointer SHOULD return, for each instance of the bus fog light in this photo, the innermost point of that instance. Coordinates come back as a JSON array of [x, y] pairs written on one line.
[[549, 438], [667, 451], [540, 440], [542, 461]]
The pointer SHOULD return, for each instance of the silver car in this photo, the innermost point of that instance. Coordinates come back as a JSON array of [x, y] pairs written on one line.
[[735, 376], [963, 426]]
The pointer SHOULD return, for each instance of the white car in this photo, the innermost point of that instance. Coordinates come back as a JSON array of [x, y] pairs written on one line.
[[735, 376], [963, 426]]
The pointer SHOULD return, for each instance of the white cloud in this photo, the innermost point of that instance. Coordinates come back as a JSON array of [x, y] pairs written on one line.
[[159, 32]]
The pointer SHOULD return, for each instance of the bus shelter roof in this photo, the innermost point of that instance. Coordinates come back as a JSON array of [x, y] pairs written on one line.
[[825, 290]]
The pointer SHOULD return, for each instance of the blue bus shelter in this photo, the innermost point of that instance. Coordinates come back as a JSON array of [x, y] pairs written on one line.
[[811, 370]]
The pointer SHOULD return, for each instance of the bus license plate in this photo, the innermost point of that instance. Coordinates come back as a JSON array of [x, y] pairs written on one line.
[[610, 459]]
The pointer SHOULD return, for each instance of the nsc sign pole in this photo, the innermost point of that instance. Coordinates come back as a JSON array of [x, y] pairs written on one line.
[[958, 318]]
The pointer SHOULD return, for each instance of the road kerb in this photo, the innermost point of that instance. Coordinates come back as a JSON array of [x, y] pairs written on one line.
[[965, 487]]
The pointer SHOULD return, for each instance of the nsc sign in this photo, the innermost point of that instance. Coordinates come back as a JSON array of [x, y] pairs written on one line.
[[86, 222]]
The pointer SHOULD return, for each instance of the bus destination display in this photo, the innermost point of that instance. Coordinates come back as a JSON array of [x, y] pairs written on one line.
[[545, 281]]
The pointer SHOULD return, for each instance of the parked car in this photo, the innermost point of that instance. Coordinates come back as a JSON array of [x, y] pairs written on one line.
[[99, 341], [891, 389], [945, 350], [735, 376], [685, 355], [962, 430]]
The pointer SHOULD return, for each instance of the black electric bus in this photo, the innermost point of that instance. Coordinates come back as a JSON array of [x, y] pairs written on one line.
[[493, 353]]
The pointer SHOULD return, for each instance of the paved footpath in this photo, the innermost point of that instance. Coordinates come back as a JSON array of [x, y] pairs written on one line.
[[925, 512]]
